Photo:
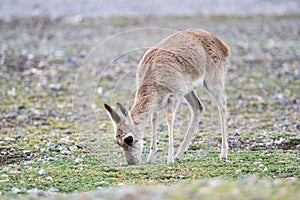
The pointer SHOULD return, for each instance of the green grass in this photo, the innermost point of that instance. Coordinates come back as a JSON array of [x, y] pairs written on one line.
[[67, 175]]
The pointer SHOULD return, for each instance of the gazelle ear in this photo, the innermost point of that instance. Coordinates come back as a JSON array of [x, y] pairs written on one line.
[[112, 114], [124, 113]]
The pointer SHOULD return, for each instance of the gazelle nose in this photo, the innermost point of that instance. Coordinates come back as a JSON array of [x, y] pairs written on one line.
[[128, 140]]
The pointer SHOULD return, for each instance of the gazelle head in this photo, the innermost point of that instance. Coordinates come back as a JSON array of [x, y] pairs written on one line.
[[125, 133]]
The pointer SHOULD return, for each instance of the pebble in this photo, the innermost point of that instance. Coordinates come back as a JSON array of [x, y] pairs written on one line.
[[78, 160], [71, 62], [34, 111], [236, 132], [3, 181], [42, 172], [21, 107], [100, 91], [59, 54], [30, 56], [16, 190], [68, 132], [53, 190], [279, 142], [65, 153], [238, 143], [64, 140], [22, 117], [8, 139], [12, 92], [11, 115], [15, 172], [268, 144], [26, 152], [42, 64], [55, 86]]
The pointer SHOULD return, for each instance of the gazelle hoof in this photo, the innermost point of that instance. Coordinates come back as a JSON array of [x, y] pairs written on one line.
[[223, 157]]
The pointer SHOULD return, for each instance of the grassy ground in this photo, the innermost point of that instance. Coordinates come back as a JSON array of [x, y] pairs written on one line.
[[41, 147]]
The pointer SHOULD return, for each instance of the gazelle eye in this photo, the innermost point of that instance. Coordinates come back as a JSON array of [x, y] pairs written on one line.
[[128, 140]]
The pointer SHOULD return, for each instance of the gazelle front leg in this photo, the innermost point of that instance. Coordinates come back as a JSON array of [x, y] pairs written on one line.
[[171, 110], [153, 145]]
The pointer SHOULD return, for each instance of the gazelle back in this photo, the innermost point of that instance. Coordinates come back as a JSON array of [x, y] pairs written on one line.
[[168, 73]]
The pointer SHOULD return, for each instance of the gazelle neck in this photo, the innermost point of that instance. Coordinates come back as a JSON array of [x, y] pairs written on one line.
[[140, 113]]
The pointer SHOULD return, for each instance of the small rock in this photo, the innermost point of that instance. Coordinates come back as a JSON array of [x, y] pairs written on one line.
[[42, 64], [78, 160], [12, 92], [22, 117], [269, 144], [42, 172], [11, 115], [279, 142], [53, 190], [30, 56], [64, 140], [34, 111], [54, 86], [58, 57], [15, 172], [68, 132], [71, 62], [3, 181], [238, 143], [27, 162], [28, 167], [8, 139], [22, 107], [65, 153], [236, 132], [59, 54], [4, 176], [16, 190], [26, 152], [100, 91], [18, 137]]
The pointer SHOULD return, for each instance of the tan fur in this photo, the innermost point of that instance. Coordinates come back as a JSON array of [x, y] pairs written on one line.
[[169, 72]]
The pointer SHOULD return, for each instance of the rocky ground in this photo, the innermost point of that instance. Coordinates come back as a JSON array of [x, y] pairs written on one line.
[[55, 135]]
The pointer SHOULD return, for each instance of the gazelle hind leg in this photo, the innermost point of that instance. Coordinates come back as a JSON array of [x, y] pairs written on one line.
[[153, 145], [218, 92], [196, 109], [171, 111]]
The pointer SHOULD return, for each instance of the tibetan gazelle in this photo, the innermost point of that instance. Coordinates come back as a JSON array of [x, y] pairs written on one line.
[[168, 73]]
